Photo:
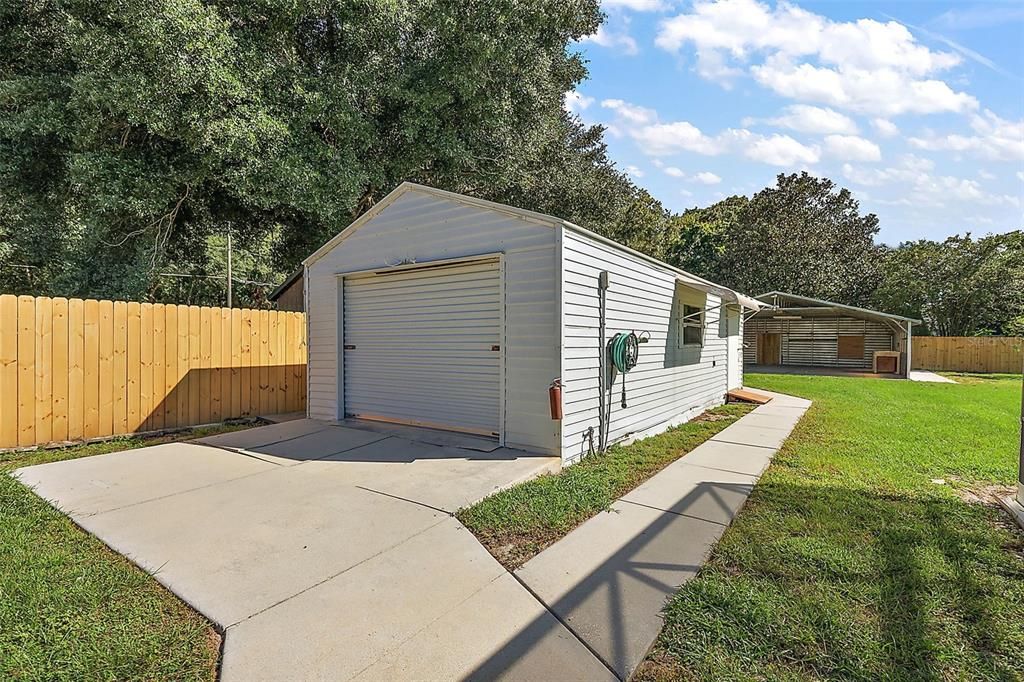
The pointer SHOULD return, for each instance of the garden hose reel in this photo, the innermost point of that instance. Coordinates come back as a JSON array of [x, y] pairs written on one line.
[[624, 352]]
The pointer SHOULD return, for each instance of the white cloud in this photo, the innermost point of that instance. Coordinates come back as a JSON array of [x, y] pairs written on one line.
[[655, 138], [995, 139], [781, 150], [662, 139], [703, 177], [634, 172], [865, 65], [985, 175], [852, 148], [707, 178], [613, 40], [924, 189], [1020, 175], [884, 91], [808, 119], [575, 102], [885, 127], [909, 169], [635, 5], [630, 113]]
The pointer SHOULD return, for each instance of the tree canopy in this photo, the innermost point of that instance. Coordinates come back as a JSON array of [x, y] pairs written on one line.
[[136, 135]]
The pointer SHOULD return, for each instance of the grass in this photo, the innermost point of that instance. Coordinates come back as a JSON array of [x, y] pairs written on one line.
[[869, 550], [71, 609], [519, 522]]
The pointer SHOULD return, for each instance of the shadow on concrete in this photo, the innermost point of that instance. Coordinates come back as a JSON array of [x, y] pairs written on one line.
[[615, 609], [307, 440]]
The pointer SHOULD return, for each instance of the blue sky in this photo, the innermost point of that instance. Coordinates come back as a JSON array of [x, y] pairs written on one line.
[[917, 107]]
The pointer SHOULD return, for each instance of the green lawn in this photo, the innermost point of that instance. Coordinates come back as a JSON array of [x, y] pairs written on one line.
[[71, 609], [850, 562], [517, 523]]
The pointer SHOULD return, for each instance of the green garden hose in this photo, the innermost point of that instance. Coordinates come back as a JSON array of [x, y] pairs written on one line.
[[623, 350]]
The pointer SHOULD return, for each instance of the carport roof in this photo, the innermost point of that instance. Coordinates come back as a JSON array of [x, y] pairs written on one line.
[[783, 301]]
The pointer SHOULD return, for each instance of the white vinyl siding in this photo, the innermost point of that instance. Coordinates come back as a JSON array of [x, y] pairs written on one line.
[[670, 384], [420, 227], [423, 346]]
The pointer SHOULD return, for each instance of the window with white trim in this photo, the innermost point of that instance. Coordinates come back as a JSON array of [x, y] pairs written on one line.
[[691, 326]]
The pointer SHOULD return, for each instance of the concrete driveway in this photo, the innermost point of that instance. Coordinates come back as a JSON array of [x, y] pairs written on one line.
[[325, 551]]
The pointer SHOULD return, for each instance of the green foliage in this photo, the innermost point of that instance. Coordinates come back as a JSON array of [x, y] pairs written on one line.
[[959, 287], [133, 134], [703, 234], [804, 236], [848, 562]]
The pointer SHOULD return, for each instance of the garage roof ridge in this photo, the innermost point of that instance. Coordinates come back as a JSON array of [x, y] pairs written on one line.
[[543, 218]]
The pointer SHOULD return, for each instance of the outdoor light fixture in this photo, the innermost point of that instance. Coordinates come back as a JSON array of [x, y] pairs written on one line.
[[787, 317]]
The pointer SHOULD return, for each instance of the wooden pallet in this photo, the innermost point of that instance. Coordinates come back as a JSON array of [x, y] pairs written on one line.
[[742, 395]]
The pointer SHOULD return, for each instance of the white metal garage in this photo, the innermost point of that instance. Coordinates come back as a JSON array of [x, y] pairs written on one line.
[[423, 345], [443, 310]]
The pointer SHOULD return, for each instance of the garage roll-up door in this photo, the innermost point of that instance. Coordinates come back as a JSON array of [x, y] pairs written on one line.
[[423, 346]]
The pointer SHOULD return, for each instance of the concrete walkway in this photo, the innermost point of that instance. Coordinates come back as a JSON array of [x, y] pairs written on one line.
[[930, 377], [325, 552], [608, 580], [329, 552]]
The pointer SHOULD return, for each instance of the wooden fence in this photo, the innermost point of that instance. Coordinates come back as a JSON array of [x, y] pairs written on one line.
[[968, 353], [79, 369]]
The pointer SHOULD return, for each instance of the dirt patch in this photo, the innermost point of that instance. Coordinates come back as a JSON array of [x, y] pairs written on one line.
[[711, 417], [985, 494]]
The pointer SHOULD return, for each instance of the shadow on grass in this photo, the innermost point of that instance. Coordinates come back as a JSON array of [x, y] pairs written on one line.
[[849, 583]]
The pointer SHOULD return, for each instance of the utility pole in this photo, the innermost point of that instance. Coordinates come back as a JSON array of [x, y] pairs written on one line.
[[229, 265]]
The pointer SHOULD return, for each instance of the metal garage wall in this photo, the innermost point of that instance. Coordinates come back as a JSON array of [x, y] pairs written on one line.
[[422, 226], [669, 384], [423, 346], [812, 342]]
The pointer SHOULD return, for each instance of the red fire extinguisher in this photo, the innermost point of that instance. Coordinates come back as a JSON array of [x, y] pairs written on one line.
[[555, 398]]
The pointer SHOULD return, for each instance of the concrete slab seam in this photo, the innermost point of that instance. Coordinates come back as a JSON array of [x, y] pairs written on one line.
[[751, 445], [682, 461], [335, 575], [164, 497], [243, 453], [405, 499], [566, 625], [669, 511], [332, 454], [426, 626]]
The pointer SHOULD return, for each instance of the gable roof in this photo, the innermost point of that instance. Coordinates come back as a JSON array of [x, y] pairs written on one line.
[[283, 286], [533, 216], [772, 298]]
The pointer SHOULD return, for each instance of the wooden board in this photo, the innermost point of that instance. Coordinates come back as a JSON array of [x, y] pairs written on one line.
[[746, 396], [850, 347], [8, 371], [769, 349], [73, 369]]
